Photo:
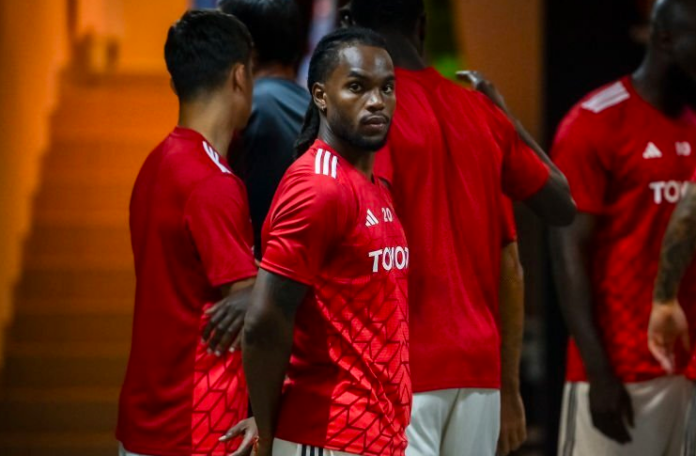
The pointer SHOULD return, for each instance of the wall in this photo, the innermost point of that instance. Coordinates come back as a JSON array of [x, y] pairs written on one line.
[[504, 40], [33, 49]]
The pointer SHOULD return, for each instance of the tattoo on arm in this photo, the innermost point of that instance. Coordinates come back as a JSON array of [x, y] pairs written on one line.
[[678, 247]]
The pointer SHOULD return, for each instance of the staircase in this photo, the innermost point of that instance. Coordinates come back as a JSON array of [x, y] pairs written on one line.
[[68, 345]]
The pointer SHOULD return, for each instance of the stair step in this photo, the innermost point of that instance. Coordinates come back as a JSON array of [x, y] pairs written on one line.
[[67, 411], [73, 306], [58, 444], [56, 246], [88, 284], [92, 366], [105, 328]]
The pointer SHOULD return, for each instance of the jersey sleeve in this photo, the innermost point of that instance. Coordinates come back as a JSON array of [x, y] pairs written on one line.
[[217, 219], [305, 222], [508, 224], [577, 157], [523, 172]]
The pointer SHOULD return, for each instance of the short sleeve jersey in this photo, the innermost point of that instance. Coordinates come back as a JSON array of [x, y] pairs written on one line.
[[348, 386], [190, 233], [627, 164], [452, 154]]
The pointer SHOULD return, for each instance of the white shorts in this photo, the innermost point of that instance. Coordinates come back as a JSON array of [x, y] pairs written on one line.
[[285, 448], [690, 427], [659, 408], [454, 422], [123, 452]]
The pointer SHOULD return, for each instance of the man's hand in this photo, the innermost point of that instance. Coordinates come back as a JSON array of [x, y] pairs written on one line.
[[667, 325], [513, 423], [247, 429], [483, 85], [611, 408], [223, 331]]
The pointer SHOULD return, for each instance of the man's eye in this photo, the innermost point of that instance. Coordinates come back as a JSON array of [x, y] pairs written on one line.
[[355, 87], [388, 89]]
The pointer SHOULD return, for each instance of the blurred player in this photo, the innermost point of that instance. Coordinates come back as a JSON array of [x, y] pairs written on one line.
[[627, 150], [265, 150], [192, 244], [668, 326], [451, 152], [326, 336]]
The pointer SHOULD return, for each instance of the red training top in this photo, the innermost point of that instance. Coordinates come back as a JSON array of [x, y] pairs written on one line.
[[626, 163], [452, 152], [190, 233], [348, 387]]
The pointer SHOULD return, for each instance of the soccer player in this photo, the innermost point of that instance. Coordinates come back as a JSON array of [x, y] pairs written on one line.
[[627, 150], [326, 336], [668, 322], [452, 150], [192, 245], [265, 150]]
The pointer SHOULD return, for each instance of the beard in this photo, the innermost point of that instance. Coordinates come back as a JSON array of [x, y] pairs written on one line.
[[343, 129]]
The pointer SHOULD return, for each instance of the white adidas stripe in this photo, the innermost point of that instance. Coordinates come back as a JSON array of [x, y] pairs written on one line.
[[325, 163], [215, 157], [611, 96], [371, 219]]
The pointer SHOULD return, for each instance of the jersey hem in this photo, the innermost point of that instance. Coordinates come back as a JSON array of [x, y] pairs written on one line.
[[492, 383], [137, 449]]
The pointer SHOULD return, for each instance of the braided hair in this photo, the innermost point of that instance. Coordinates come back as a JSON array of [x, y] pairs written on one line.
[[323, 62]]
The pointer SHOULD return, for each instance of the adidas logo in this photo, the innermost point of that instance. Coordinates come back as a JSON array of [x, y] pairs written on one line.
[[652, 152], [371, 219]]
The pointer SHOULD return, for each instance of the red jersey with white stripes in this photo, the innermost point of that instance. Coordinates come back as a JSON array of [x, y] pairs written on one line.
[[190, 233], [348, 387], [626, 163]]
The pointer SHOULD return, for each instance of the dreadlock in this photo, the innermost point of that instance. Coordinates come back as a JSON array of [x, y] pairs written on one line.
[[323, 62]]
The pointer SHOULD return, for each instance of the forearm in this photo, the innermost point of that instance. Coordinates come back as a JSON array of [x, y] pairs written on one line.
[[678, 248], [266, 354], [267, 344], [571, 271], [511, 317]]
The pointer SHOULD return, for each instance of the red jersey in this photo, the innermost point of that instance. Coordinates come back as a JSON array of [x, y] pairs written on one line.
[[626, 163], [691, 369], [451, 153], [190, 233], [348, 386]]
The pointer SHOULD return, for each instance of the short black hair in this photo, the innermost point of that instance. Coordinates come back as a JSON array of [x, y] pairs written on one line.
[[400, 15], [275, 26], [201, 48], [324, 60]]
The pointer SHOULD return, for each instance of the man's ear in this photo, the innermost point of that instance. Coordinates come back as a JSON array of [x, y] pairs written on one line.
[[239, 76], [319, 96]]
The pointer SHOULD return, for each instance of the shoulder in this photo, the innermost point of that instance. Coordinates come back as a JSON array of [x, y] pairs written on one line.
[[607, 99]]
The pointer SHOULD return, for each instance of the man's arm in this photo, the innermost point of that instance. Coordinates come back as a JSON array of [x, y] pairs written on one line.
[[667, 321], [266, 346], [223, 331], [610, 404], [513, 430], [553, 203]]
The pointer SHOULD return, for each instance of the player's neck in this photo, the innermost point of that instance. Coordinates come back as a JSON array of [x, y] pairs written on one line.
[[404, 52], [210, 120], [361, 160], [275, 70], [652, 82]]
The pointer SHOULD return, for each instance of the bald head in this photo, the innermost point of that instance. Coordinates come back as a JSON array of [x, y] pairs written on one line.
[[673, 38]]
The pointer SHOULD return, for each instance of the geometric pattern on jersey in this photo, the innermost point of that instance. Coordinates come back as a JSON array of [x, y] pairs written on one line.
[[219, 401], [622, 162], [348, 384]]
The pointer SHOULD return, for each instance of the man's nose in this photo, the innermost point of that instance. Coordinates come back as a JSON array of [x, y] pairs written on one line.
[[376, 101]]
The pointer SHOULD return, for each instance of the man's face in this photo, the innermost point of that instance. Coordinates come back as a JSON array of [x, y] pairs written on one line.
[[359, 97], [683, 54]]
